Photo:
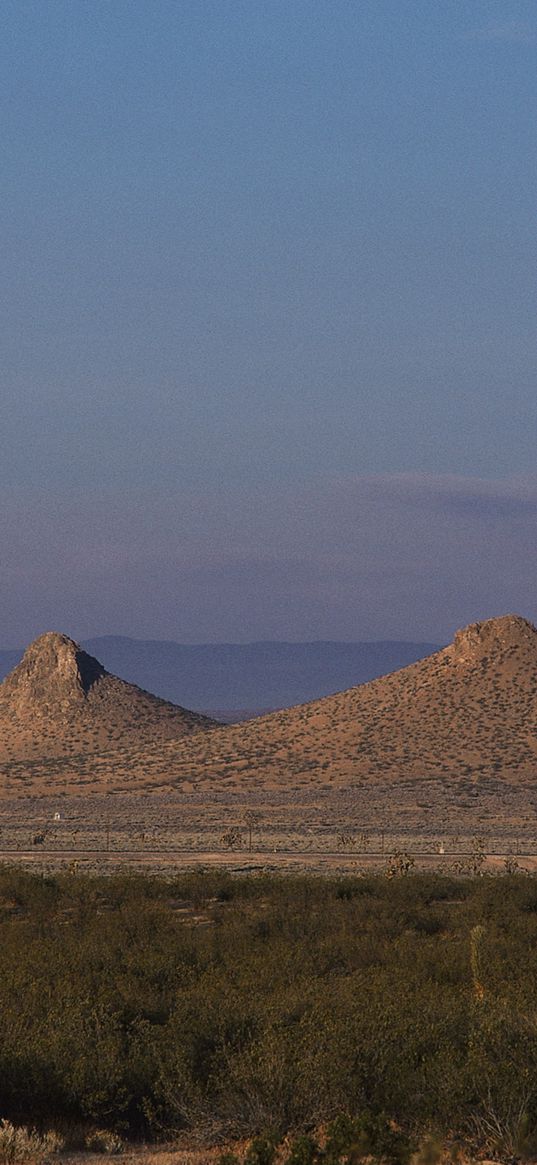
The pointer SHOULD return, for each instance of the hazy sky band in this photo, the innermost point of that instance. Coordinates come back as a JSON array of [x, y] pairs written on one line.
[[255, 254], [393, 556]]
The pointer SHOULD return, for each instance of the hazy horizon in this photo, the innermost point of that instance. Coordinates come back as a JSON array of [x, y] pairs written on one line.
[[212, 643], [269, 346]]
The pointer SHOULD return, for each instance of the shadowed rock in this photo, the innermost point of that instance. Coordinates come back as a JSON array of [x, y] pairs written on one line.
[[60, 700], [53, 668]]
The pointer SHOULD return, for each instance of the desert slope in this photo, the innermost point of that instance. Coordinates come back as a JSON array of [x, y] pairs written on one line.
[[60, 701], [468, 711]]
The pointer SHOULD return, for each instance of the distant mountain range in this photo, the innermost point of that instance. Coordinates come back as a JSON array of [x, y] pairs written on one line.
[[239, 680]]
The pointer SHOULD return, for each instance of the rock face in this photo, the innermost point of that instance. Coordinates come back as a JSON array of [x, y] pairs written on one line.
[[493, 639], [54, 674], [59, 700]]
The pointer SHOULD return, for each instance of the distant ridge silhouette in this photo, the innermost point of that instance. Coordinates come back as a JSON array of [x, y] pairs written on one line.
[[248, 677]]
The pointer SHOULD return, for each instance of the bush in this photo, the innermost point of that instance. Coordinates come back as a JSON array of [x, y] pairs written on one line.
[[303, 1151], [143, 1006], [105, 1141], [369, 1135], [261, 1151], [23, 1145]]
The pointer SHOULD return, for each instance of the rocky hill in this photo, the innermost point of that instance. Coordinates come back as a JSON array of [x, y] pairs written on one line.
[[466, 712], [60, 701]]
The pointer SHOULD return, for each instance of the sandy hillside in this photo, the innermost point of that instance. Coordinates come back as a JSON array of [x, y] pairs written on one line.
[[468, 711], [59, 701]]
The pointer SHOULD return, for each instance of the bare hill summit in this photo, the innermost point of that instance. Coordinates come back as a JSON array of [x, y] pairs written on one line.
[[60, 701]]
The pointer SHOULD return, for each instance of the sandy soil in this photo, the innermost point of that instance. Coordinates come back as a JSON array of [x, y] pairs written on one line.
[[331, 829]]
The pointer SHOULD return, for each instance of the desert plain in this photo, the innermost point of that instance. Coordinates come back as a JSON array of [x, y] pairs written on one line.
[[437, 761]]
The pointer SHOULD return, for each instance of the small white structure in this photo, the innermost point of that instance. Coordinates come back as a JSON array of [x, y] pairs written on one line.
[[57, 816]]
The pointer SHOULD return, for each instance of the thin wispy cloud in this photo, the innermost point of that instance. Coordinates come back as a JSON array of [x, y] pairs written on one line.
[[360, 556], [481, 497], [507, 32]]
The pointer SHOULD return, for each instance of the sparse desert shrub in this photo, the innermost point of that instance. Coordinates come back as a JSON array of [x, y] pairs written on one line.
[[232, 839], [350, 1139], [304, 1150], [105, 1141], [399, 865], [19, 1144], [261, 1151]]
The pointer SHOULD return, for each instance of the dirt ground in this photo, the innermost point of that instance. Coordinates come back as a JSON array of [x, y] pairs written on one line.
[[323, 830], [210, 1155]]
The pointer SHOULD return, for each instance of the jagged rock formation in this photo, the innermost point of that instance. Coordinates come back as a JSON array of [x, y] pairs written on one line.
[[466, 713], [508, 635], [60, 701]]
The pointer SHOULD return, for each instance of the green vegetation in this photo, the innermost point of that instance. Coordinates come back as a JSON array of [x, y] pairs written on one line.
[[400, 1010]]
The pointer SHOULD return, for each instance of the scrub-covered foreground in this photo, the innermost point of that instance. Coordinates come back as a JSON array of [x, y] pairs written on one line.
[[234, 1007]]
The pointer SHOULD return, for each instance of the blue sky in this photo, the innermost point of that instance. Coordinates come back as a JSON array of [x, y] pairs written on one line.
[[268, 272]]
